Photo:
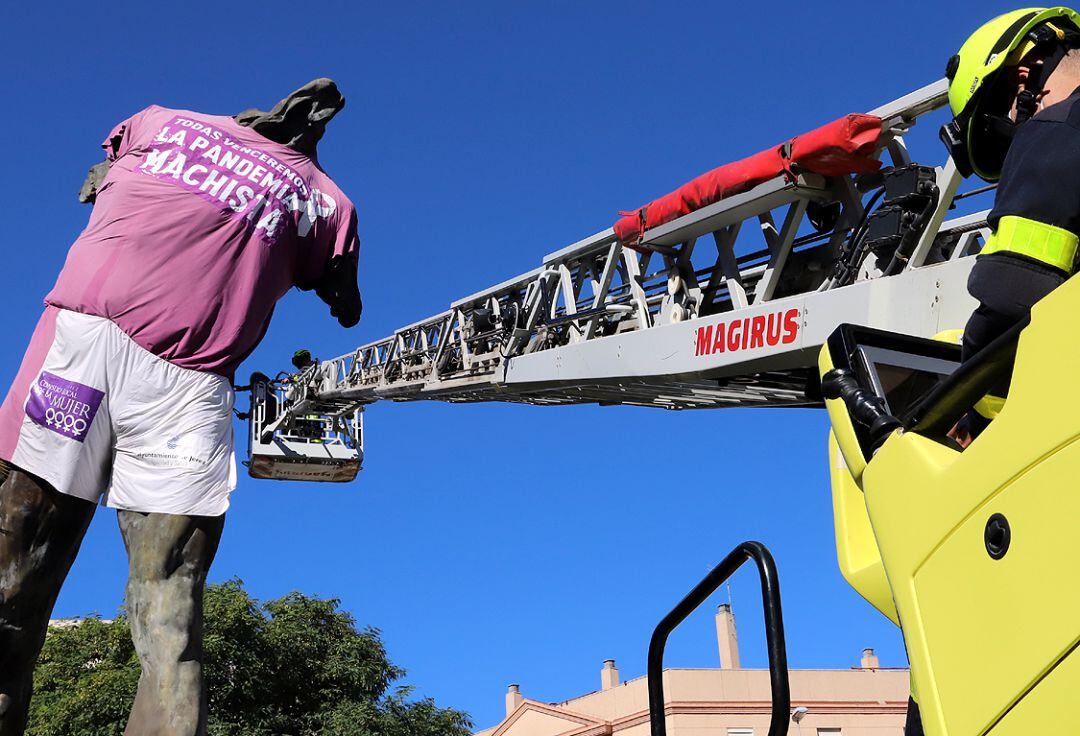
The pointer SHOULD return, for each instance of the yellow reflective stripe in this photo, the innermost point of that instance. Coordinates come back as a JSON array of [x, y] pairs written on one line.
[[1037, 240]]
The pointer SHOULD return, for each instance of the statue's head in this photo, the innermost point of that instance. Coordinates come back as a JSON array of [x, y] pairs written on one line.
[[299, 120]]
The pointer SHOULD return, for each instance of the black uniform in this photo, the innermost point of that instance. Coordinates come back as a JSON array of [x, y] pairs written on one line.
[[1040, 181]]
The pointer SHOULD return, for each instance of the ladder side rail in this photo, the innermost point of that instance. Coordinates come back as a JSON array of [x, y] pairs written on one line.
[[452, 348], [916, 104], [900, 112]]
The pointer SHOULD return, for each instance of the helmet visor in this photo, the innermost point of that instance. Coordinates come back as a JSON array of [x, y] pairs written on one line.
[[990, 129]]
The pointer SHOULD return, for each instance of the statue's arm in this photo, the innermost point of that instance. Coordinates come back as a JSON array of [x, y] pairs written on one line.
[[94, 177], [338, 288]]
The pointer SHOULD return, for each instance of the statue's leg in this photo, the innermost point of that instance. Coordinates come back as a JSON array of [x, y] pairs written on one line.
[[40, 534], [168, 557]]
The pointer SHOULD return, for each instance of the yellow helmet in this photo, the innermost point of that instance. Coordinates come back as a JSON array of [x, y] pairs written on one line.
[[979, 135]]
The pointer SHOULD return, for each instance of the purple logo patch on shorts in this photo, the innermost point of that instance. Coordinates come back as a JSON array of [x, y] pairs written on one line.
[[66, 407]]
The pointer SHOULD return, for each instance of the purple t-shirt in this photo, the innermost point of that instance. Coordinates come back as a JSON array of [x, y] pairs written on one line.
[[199, 228]]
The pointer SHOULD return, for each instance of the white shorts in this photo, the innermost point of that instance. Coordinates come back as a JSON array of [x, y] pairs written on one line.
[[103, 419]]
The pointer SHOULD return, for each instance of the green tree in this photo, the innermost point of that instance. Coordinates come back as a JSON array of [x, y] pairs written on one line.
[[295, 666]]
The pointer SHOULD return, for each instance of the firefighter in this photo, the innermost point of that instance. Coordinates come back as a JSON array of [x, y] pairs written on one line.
[[1014, 90]]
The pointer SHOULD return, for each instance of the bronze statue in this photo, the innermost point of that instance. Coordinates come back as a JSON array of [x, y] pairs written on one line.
[[51, 417]]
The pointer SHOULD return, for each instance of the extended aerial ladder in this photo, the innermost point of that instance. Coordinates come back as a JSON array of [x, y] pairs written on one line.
[[726, 305], [855, 267]]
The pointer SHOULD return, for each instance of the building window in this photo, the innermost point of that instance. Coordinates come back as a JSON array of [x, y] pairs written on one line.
[[740, 732]]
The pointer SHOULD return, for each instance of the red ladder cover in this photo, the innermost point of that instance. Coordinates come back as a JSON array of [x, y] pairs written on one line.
[[845, 146]]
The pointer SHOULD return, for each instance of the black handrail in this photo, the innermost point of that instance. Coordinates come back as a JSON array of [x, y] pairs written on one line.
[[774, 634], [988, 371]]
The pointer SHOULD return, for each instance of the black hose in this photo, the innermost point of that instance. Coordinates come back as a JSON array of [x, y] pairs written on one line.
[[863, 406], [849, 263], [911, 238]]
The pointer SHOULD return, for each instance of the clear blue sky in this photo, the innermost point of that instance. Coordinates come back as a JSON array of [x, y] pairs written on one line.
[[491, 544]]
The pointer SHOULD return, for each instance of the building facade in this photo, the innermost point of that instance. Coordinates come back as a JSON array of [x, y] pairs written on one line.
[[730, 701]]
